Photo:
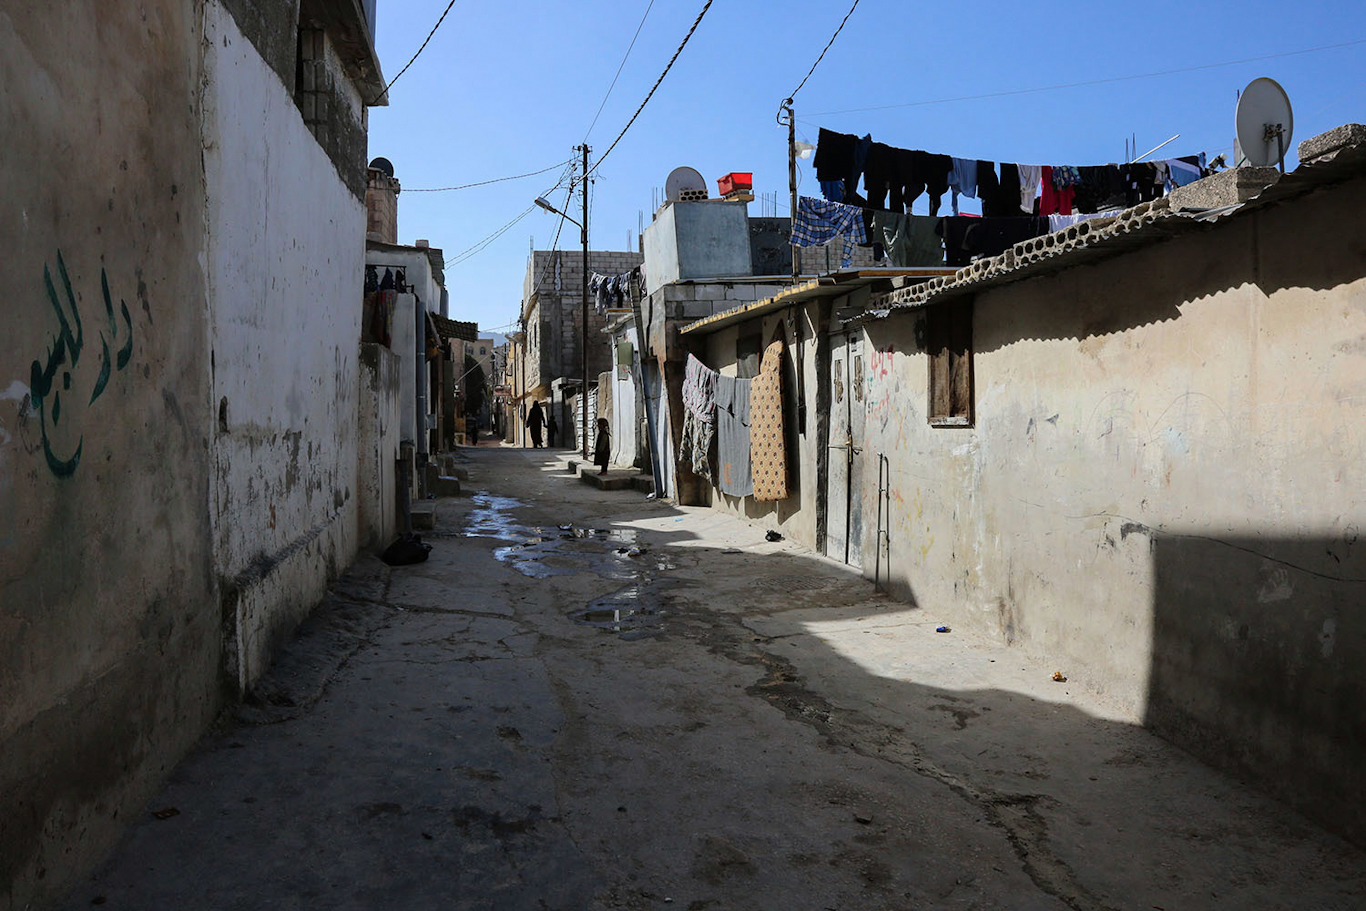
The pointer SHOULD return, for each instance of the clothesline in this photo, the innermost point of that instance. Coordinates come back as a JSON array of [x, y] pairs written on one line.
[[893, 178], [918, 240], [612, 292]]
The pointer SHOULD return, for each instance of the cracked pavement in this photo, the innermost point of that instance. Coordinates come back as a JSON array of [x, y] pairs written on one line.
[[585, 699]]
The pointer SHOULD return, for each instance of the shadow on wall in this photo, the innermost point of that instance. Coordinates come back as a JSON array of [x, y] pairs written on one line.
[[1259, 647], [1301, 245]]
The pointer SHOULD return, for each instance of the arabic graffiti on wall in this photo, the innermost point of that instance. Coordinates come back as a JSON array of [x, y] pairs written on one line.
[[47, 387]]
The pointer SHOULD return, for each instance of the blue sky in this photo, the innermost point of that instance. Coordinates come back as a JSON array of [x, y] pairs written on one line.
[[510, 87]]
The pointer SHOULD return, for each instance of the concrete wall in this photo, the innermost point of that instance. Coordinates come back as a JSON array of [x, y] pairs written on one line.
[[697, 240], [284, 281], [377, 446], [177, 398], [1162, 493], [109, 646]]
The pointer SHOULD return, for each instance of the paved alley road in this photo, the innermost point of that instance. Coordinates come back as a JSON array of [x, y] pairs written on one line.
[[496, 729]]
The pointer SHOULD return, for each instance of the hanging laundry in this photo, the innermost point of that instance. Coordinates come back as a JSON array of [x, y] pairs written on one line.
[[1005, 201], [768, 452], [733, 437], [934, 171], [1140, 182], [834, 155], [820, 221], [1065, 177], [879, 170], [1185, 170], [909, 240], [1063, 222], [1101, 187], [967, 238], [1030, 176], [699, 417], [988, 186], [963, 180], [833, 190], [1052, 199]]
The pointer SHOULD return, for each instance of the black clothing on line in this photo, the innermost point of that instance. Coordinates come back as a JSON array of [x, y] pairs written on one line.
[[834, 155], [966, 237]]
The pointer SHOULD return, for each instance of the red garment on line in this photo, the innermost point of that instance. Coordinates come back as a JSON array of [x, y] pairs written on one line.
[[1054, 202]]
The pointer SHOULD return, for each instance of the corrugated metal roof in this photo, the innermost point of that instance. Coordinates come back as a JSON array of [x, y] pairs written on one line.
[[833, 284]]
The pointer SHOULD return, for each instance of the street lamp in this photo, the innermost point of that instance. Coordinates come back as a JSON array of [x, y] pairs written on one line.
[[583, 235]]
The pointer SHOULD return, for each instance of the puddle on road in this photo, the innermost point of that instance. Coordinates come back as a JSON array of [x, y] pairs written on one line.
[[631, 612], [539, 552]]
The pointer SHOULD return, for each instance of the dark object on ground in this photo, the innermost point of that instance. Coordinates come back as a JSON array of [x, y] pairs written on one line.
[[406, 550], [942, 629], [772, 536]]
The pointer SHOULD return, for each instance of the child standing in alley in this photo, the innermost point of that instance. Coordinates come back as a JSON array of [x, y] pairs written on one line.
[[602, 452]]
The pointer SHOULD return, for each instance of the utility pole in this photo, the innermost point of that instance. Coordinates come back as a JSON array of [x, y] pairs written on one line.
[[792, 177], [584, 349]]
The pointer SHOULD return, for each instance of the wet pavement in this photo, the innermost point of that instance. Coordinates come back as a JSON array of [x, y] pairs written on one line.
[[587, 699]]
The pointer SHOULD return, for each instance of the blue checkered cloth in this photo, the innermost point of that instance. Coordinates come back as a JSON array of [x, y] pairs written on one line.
[[820, 221]]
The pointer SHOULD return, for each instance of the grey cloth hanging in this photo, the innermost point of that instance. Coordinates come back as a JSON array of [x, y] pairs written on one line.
[[734, 477]]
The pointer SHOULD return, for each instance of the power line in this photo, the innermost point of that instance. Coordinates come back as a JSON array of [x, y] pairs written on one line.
[[483, 183], [385, 93], [696, 22], [479, 246], [619, 69], [1089, 82], [822, 56]]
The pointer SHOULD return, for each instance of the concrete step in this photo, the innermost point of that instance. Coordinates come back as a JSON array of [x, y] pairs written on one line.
[[613, 480], [424, 515], [643, 483], [444, 486]]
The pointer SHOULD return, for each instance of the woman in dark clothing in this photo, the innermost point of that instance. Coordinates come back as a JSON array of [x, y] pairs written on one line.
[[553, 427], [602, 451], [536, 420]]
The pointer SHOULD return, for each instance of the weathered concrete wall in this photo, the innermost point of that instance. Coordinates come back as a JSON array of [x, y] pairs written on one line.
[[377, 446], [285, 282], [109, 627], [1162, 493], [697, 240]]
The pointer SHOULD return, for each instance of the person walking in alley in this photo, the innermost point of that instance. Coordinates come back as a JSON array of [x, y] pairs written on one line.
[[536, 420], [602, 450], [552, 427]]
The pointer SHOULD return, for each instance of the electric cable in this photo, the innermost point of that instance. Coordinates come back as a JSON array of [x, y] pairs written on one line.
[[793, 93], [696, 22], [1090, 82], [469, 252], [482, 183], [619, 69], [382, 95]]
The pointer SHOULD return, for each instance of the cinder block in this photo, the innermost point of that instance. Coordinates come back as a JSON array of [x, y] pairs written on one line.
[[1349, 134], [445, 486], [424, 515], [1224, 189]]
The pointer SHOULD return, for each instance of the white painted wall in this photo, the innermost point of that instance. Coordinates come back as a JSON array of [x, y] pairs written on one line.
[[285, 266]]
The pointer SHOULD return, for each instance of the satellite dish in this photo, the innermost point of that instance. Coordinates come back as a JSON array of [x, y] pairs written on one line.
[[383, 164], [1264, 123], [685, 185]]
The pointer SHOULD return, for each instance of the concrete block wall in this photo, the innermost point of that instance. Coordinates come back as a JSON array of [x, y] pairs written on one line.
[[558, 314]]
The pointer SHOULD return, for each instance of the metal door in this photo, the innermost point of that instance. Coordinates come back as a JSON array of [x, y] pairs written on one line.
[[844, 477]]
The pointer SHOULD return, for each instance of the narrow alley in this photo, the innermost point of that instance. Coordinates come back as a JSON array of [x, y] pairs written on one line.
[[588, 699]]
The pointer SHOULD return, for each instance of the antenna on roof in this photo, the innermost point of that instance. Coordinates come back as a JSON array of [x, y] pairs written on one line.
[[1264, 123]]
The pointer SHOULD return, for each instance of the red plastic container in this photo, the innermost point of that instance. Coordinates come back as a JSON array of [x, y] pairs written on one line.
[[735, 180]]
